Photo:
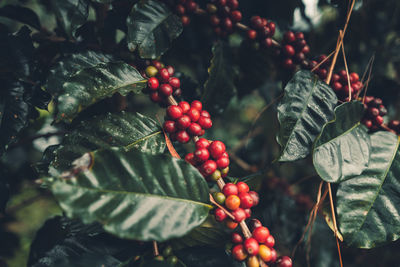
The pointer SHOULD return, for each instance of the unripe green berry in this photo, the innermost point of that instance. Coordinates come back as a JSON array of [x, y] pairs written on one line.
[[159, 258], [224, 172], [172, 260], [215, 175], [151, 71], [219, 198], [167, 251]]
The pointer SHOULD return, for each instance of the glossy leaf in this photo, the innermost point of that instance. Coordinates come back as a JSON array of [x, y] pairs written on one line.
[[110, 130], [93, 84], [134, 195], [152, 27], [343, 147], [368, 205], [22, 14], [219, 88], [307, 105], [71, 14]]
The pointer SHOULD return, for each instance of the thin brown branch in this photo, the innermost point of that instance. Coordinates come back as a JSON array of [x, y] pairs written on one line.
[[334, 223], [212, 200], [347, 70], [156, 252]]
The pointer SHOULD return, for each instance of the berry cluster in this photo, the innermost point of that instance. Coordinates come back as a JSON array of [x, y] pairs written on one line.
[[184, 8], [186, 120], [395, 126], [239, 200], [224, 15], [261, 30], [322, 70], [210, 158], [168, 256], [340, 84], [374, 112], [258, 247], [161, 83], [294, 50]]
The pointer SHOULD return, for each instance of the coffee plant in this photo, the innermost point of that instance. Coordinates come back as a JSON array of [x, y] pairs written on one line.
[[199, 133]]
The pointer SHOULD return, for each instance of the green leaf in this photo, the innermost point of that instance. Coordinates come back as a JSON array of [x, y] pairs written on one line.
[[210, 233], [307, 105], [368, 205], [151, 28], [110, 130], [219, 88], [134, 195], [71, 14], [22, 14], [93, 84], [343, 148]]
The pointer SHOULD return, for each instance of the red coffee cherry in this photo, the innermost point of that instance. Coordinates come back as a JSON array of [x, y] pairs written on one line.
[[255, 197], [252, 34], [230, 189], [166, 89], [205, 122], [256, 22], [216, 149], [270, 241], [220, 214], [155, 97], [197, 105], [248, 213], [239, 253], [175, 82], [208, 167], [237, 238], [153, 83], [182, 137], [231, 224], [171, 71], [194, 129], [236, 16], [261, 234], [205, 113], [194, 114], [289, 50], [185, 106], [254, 223], [180, 9], [202, 143], [183, 122], [201, 155], [284, 261], [169, 126], [174, 112], [274, 255], [239, 214], [222, 162], [190, 159], [242, 187], [164, 75], [378, 120], [232, 202], [185, 20], [251, 246], [246, 201], [289, 37], [233, 4], [214, 20]]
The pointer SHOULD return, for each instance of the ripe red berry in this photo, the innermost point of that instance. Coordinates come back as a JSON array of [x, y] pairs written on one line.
[[367, 123], [197, 105], [190, 159], [233, 4], [214, 20], [153, 83], [289, 50], [231, 224], [337, 86], [261, 234], [267, 42], [191, 6], [289, 37], [156, 64], [274, 255], [299, 35], [205, 122], [284, 261], [246, 201], [236, 15], [222, 162], [205, 113], [216, 149], [174, 112], [183, 122], [239, 253], [232, 202], [242, 187], [201, 155], [252, 34], [166, 89], [378, 120], [270, 241], [180, 9], [155, 97], [288, 63], [239, 214], [373, 112], [254, 223], [202, 143], [354, 77], [237, 238], [182, 137], [230, 189], [169, 126], [185, 20], [194, 114], [164, 75], [185, 106], [208, 167], [194, 129], [256, 22], [175, 82], [227, 24], [255, 197], [220, 215], [251, 246]]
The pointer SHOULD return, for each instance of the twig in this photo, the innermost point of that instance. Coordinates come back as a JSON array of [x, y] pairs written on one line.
[[156, 252], [347, 70], [334, 223], [212, 200]]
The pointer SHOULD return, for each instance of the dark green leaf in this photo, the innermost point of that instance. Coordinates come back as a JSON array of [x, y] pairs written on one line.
[[65, 242], [207, 257], [71, 14], [4, 193], [111, 130], [343, 148], [219, 88], [133, 194], [92, 84], [14, 112], [368, 205], [307, 105], [21, 14], [151, 28]]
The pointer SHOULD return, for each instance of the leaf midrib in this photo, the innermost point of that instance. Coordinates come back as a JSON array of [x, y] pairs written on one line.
[[129, 146], [337, 137], [109, 191]]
